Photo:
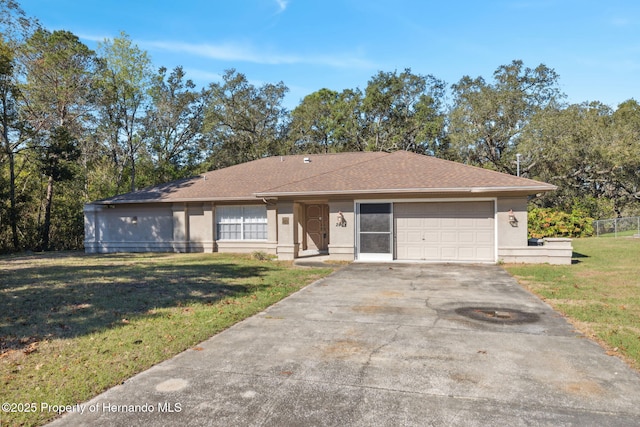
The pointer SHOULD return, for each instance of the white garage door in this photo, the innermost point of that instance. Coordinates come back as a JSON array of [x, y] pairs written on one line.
[[447, 231]]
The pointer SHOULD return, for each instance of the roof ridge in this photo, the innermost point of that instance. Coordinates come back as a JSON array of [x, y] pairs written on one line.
[[332, 170], [457, 164]]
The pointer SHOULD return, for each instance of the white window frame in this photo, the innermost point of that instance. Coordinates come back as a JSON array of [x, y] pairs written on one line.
[[241, 218]]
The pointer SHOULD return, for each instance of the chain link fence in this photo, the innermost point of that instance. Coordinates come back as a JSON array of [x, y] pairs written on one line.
[[617, 227]]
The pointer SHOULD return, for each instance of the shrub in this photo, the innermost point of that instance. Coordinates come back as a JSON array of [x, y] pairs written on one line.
[[260, 256], [547, 222]]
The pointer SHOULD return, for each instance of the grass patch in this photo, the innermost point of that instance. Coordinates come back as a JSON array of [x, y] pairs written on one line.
[[73, 325], [627, 233], [599, 293]]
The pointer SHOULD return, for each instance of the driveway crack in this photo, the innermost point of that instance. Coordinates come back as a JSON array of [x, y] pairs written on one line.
[[366, 365]]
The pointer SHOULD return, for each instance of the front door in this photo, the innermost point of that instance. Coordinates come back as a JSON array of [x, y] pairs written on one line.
[[317, 227]]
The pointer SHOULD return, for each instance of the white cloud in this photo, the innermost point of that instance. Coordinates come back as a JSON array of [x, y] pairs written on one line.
[[93, 37], [282, 5], [247, 53]]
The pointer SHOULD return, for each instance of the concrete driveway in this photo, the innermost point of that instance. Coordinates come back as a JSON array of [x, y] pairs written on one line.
[[386, 345]]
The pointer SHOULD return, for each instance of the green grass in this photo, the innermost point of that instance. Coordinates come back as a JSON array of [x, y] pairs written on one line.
[[73, 325], [599, 293], [626, 233]]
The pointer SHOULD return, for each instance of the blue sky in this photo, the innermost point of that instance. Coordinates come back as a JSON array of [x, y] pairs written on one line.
[[311, 44]]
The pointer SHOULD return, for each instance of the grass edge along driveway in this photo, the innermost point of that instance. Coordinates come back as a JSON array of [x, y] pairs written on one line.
[[73, 325], [599, 293]]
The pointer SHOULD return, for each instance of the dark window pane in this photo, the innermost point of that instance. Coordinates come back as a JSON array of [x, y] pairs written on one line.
[[375, 243], [375, 208], [375, 217]]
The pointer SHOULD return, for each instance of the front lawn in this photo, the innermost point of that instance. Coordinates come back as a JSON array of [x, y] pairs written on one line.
[[599, 293], [73, 325]]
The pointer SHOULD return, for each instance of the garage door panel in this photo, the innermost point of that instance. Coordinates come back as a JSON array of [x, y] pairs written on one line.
[[485, 238], [467, 223], [430, 254], [449, 237], [448, 222], [466, 237], [467, 253], [445, 231], [431, 236], [414, 238], [449, 253]]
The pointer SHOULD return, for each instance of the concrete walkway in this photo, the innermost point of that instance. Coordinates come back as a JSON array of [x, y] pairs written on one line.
[[386, 345]]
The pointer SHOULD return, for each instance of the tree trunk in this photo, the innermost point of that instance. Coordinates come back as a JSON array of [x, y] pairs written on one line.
[[47, 215], [13, 209], [133, 174]]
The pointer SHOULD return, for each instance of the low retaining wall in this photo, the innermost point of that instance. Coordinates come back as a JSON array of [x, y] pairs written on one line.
[[555, 250]]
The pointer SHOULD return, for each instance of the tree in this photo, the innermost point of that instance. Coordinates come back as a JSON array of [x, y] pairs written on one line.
[[173, 125], [403, 112], [243, 122], [313, 122], [487, 119], [56, 101], [14, 28], [328, 121], [8, 126], [124, 80], [590, 152]]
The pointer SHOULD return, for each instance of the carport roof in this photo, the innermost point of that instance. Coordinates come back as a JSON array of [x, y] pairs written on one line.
[[357, 173]]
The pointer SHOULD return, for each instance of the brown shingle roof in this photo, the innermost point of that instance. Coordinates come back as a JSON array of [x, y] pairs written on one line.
[[343, 173]]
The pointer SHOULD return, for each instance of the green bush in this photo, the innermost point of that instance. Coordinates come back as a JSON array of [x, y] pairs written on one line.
[[547, 222], [260, 256]]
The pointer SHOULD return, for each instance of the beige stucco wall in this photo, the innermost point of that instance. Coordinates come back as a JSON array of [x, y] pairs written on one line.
[[511, 234], [513, 238], [191, 227], [164, 227], [201, 223], [128, 228], [288, 214], [341, 236], [553, 251]]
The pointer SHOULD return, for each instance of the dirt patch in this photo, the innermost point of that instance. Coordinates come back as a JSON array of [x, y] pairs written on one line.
[[345, 349], [391, 294], [583, 388], [387, 309]]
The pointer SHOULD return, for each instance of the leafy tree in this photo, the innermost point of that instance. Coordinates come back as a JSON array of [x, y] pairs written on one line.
[[8, 127], [173, 125], [124, 81], [244, 122], [14, 28], [56, 101], [590, 152], [403, 112], [625, 156], [349, 135], [328, 121], [313, 122], [487, 119]]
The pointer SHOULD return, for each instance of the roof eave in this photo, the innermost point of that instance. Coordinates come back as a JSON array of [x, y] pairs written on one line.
[[180, 200], [450, 190]]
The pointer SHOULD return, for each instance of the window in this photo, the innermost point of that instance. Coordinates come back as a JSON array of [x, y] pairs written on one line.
[[241, 222]]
